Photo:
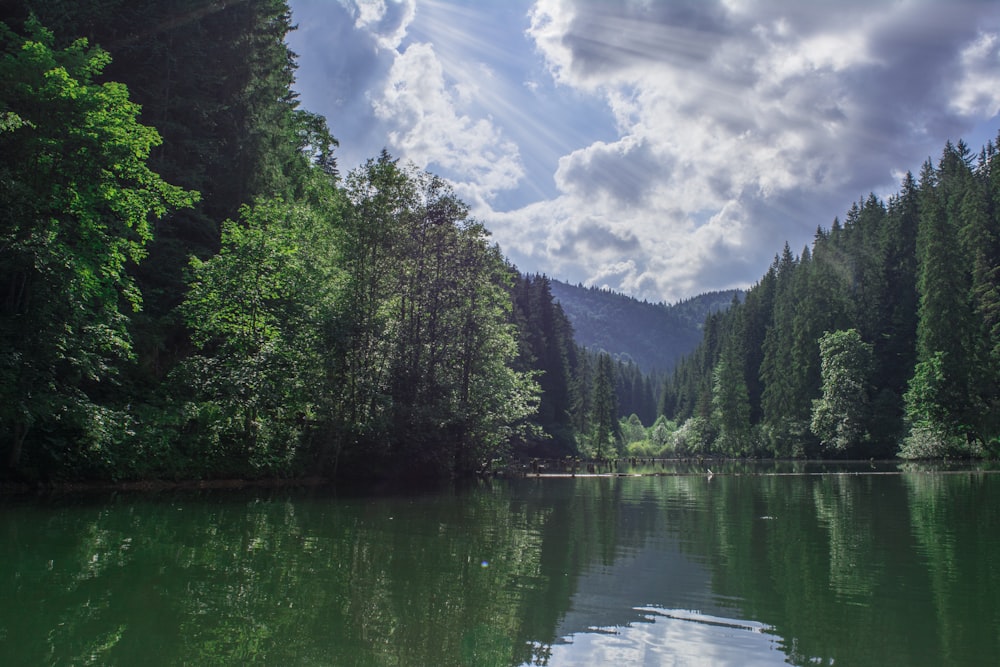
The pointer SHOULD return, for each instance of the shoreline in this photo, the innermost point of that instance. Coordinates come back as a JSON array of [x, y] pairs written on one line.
[[532, 469]]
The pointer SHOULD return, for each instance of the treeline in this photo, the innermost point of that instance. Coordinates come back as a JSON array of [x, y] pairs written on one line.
[[883, 337], [190, 287], [585, 393]]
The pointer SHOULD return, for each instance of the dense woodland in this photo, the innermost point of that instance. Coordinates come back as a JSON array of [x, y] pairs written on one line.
[[191, 288], [882, 338], [656, 336]]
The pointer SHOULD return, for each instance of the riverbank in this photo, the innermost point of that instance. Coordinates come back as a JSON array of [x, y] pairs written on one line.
[[152, 485], [531, 468]]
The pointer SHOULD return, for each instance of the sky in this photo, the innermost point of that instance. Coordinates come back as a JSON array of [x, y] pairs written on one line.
[[659, 148]]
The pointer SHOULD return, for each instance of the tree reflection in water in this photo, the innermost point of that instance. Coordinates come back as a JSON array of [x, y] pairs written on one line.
[[737, 569]]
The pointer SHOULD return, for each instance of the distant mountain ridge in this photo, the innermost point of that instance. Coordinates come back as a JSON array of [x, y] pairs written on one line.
[[653, 335]]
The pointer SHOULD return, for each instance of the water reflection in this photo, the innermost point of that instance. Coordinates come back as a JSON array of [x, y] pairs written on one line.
[[734, 570], [672, 636]]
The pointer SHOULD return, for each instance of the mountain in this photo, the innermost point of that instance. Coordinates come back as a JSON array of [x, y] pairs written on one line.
[[653, 335]]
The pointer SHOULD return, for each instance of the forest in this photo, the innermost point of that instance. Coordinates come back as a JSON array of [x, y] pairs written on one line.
[[881, 339], [653, 335], [192, 289]]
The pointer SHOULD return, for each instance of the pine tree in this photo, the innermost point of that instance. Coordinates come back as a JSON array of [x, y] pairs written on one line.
[[981, 240], [778, 399], [604, 417], [937, 399], [547, 348], [730, 398], [894, 345], [758, 308]]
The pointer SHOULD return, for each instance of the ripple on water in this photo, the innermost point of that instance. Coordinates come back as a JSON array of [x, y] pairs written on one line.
[[673, 637]]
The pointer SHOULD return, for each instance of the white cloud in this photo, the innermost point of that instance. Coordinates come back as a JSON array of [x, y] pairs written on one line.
[[550, 23], [430, 128], [978, 91], [626, 171], [661, 148], [388, 21], [369, 12], [749, 109]]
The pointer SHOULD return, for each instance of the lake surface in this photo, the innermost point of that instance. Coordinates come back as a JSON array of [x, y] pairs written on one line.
[[864, 567]]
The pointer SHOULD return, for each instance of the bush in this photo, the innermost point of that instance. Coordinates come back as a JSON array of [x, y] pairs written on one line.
[[661, 433], [642, 449], [927, 442], [632, 430], [695, 437]]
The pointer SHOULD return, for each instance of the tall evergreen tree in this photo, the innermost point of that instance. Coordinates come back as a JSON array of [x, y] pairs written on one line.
[[894, 345], [604, 418], [980, 234], [779, 398], [730, 398], [937, 400], [861, 241], [547, 348], [917, 281], [758, 312]]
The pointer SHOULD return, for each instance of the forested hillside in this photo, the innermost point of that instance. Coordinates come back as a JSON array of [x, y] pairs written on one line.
[[192, 289], [883, 337], [584, 393], [653, 335]]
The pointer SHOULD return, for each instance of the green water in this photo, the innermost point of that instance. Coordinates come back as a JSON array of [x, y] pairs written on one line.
[[737, 569]]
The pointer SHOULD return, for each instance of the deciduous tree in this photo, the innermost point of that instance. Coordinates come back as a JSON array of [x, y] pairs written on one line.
[[840, 417], [78, 201]]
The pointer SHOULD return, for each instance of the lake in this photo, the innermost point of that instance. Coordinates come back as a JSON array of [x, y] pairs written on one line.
[[792, 563]]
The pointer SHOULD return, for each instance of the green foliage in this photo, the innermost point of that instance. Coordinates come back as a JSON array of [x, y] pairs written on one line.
[[654, 336], [927, 440], [256, 310], [654, 442], [661, 434], [215, 79], [695, 437], [953, 393], [840, 417], [369, 326], [916, 281], [547, 347], [369, 323], [79, 198], [372, 326], [730, 397], [632, 430], [425, 350], [934, 431], [606, 435]]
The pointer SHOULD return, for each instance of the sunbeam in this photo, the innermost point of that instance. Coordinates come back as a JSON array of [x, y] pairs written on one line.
[[709, 133]]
